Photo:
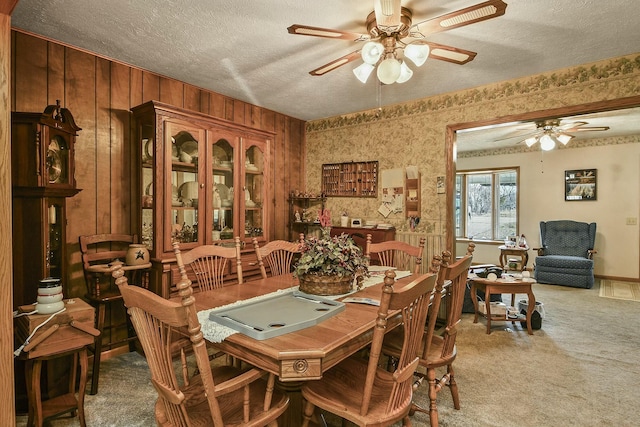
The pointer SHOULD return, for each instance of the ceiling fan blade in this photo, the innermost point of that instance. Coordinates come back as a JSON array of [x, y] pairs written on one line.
[[449, 53], [336, 63], [306, 30], [469, 15], [587, 129], [519, 134], [571, 125]]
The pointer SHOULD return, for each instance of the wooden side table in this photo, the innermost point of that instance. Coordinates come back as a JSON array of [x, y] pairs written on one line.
[[68, 333], [506, 252], [502, 286]]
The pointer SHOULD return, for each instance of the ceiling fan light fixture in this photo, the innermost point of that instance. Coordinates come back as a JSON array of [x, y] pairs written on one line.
[[564, 138], [371, 52], [389, 71], [531, 141], [405, 73], [417, 53], [547, 143], [363, 71]]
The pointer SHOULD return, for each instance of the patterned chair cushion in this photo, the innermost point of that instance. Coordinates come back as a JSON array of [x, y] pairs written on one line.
[[565, 260], [567, 237]]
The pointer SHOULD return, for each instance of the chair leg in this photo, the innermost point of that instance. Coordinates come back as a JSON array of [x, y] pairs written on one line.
[[433, 392], [453, 387], [95, 373], [308, 413]]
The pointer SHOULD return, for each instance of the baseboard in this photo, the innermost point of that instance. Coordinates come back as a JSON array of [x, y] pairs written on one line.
[[618, 278]]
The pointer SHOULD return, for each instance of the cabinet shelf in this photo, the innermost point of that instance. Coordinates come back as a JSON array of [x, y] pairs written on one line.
[[301, 204]]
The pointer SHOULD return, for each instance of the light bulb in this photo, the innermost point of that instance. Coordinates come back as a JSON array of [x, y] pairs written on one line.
[[371, 52], [417, 53], [405, 73], [389, 71], [530, 141], [547, 143], [363, 71]]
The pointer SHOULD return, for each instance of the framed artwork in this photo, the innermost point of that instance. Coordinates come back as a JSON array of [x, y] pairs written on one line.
[[580, 185]]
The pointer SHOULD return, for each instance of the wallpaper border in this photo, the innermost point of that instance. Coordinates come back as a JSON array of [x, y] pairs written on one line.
[[585, 74]]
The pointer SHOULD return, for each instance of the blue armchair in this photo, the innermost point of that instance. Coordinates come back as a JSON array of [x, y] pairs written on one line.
[[566, 255]]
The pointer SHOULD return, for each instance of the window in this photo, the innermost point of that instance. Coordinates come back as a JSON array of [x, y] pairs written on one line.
[[486, 204]]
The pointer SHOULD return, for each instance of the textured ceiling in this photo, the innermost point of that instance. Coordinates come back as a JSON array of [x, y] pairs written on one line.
[[242, 49]]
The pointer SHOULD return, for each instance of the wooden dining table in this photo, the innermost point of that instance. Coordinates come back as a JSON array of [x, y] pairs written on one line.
[[301, 355]]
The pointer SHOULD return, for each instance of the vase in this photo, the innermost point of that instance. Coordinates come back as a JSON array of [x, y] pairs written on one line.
[[325, 284], [137, 254]]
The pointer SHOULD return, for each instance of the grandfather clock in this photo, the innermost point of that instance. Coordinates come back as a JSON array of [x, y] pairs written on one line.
[[42, 177]]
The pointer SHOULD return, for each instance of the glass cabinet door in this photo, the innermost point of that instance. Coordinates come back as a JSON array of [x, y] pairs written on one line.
[[254, 188], [184, 188], [223, 203]]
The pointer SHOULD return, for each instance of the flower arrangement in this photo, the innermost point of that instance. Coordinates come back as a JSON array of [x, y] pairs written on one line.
[[337, 255]]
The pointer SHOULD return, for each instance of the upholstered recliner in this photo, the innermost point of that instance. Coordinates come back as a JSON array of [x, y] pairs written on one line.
[[566, 255]]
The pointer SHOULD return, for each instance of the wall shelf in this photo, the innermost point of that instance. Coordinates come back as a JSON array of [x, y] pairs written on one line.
[[351, 179]]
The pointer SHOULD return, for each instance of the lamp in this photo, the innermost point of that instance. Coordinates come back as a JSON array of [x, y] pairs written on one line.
[[390, 68], [417, 53], [549, 139]]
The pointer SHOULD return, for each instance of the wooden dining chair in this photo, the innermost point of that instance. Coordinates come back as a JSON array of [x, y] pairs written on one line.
[[104, 295], [359, 390], [394, 253], [215, 396], [438, 350], [278, 255], [210, 264]]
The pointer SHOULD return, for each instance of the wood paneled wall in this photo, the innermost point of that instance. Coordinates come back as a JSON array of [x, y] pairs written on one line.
[[99, 93]]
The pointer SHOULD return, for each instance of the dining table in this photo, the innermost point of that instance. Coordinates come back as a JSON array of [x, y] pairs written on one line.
[[301, 355]]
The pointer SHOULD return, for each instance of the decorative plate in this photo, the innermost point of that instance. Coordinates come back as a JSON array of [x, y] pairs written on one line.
[[219, 153], [190, 147], [189, 190], [223, 190]]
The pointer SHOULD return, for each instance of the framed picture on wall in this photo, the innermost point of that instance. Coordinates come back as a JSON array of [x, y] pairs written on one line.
[[580, 185]]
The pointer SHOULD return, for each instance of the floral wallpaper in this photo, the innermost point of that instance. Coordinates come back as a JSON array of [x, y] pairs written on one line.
[[413, 133]]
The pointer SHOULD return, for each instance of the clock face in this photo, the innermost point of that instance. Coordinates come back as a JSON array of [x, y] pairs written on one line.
[[57, 160]]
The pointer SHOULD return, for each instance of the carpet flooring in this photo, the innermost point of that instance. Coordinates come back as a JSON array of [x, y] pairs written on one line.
[[620, 290], [580, 369]]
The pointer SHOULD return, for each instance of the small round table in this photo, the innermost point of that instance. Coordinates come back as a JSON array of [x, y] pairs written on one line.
[[506, 251], [502, 286]]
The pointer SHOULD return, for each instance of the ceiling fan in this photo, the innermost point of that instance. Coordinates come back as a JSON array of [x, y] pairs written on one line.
[[392, 36], [550, 132]]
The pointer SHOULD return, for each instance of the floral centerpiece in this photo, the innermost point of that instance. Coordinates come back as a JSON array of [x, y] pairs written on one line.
[[330, 265]]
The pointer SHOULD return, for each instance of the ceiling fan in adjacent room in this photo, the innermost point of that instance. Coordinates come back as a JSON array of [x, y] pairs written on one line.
[[549, 133], [392, 37]]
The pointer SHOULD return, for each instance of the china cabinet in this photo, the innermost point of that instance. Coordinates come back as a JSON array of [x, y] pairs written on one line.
[[202, 180], [42, 178]]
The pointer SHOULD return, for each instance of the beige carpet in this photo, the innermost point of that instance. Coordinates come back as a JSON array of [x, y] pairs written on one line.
[[620, 290], [579, 370]]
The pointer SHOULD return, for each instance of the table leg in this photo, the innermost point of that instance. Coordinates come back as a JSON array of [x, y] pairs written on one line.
[[532, 305], [474, 300], [33, 371], [487, 304], [84, 368], [293, 415]]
